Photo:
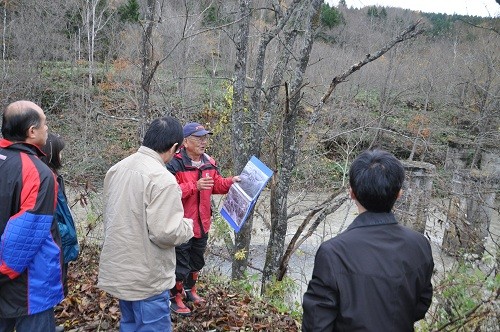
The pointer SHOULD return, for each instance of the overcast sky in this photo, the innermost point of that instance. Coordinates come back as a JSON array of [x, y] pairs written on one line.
[[485, 8]]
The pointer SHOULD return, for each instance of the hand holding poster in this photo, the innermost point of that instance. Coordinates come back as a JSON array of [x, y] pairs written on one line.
[[243, 195]]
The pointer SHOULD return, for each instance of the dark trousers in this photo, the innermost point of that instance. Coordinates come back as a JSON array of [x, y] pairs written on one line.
[[190, 257], [41, 322]]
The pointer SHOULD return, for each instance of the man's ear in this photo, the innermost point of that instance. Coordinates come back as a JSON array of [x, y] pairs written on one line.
[[31, 132], [400, 193], [351, 193]]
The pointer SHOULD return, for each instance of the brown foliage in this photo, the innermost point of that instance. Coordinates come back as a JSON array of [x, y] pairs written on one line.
[[87, 308], [229, 310]]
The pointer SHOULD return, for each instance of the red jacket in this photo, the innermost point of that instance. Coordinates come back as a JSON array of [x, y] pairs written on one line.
[[197, 204]]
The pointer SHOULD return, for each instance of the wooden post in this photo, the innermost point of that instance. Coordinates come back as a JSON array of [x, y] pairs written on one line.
[[470, 211], [412, 209]]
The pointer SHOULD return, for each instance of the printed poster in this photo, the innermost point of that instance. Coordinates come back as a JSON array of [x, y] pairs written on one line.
[[243, 195]]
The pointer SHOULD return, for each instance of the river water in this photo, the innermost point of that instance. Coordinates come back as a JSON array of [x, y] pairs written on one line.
[[301, 264]]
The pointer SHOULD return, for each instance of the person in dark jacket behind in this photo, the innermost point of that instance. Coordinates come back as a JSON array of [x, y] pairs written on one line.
[[198, 176], [30, 245], [70, 248], [376, 275]]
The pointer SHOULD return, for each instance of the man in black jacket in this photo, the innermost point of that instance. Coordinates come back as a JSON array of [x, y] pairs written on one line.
[[375, 276]]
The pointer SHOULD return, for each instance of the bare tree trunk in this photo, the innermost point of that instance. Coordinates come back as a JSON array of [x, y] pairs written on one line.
[[147, 59], [247, 131], [279, 193], [484, 91], [79, 46], [94, 22], [242, 239], [90, 23], [272, 105], [148, 67], [256, 98]]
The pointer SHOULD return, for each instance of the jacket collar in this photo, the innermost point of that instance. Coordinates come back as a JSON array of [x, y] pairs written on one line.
[[368, 218], [151, 153], [21, 146], [205, 158]]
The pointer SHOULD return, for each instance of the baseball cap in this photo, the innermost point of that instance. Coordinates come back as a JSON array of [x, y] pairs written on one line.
[[195, 129]]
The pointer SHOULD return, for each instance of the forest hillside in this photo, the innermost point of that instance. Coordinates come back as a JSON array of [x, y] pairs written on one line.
[[303, 86]]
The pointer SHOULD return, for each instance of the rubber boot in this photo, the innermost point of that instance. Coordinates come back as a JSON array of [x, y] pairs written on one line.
[[191, 293], [176, 304]]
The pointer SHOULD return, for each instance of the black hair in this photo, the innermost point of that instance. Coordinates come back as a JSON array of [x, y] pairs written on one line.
[[376, 177], [52, 149], [163, 133], [15, 125]]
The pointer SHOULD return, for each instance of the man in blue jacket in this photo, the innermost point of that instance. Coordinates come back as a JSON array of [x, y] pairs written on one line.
[[30, 254], [375, 276]]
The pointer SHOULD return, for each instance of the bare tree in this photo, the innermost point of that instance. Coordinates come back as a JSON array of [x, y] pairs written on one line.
[[250, 128], [239, 146], [279, 192], [281, 257], [149, 66], [154, 54], [95, 16]]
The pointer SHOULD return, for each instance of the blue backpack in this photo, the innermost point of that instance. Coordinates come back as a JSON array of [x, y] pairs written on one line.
[[67, 229]]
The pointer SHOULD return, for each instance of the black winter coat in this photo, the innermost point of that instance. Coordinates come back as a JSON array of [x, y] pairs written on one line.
[[375, 276]]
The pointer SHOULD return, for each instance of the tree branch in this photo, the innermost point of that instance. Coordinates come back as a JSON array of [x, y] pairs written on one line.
[[410, 32], [332, 203], [480, 27]]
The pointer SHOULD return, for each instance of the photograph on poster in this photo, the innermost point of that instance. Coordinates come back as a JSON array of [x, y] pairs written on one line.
[[242, 195]]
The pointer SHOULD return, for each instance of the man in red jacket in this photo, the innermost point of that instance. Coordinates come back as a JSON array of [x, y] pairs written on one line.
[[198, 176]]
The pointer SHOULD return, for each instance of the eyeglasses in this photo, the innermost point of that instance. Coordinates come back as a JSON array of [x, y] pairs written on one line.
[[200, 139]]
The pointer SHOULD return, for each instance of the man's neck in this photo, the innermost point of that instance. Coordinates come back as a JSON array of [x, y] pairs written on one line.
[[360, 207], [195, 158]]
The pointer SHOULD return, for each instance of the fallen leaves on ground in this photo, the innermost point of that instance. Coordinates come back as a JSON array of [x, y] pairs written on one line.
[[87, 308]]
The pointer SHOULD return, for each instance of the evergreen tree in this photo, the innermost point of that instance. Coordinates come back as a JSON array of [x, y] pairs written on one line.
[[330, 17], [129, 12]]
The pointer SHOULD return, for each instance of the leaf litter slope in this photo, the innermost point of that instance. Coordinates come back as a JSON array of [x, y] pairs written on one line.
[[87, 308]]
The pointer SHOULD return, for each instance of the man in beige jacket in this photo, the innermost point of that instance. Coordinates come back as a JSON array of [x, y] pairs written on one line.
[[143, 222]]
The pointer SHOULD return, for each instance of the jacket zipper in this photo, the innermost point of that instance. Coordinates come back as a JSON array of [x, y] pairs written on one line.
[[200, 174]]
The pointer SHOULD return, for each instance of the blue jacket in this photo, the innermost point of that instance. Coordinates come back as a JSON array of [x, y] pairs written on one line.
[[67, 229], [375, 276], [30, 254]]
